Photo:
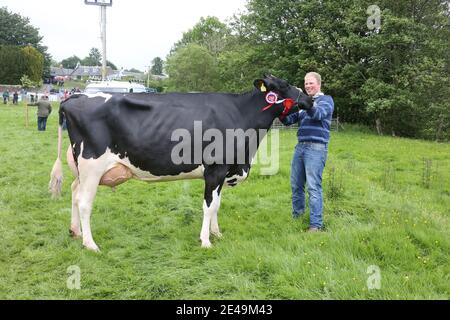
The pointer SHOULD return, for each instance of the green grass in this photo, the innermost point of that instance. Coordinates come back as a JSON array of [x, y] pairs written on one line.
[[387, 204]]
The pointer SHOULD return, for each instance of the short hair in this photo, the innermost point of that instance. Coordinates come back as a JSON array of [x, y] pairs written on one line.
[[315, 75]]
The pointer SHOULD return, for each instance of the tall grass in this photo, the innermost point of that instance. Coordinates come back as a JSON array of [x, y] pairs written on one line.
[[378, 210]]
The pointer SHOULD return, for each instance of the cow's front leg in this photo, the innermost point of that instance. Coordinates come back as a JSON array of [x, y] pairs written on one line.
[[213, 185], [215, 223], [211, 205]]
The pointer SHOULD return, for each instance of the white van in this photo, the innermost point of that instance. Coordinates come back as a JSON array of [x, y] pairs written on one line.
[[114, 87]]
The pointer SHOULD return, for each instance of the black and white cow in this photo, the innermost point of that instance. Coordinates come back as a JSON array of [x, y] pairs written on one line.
[[117, 137]]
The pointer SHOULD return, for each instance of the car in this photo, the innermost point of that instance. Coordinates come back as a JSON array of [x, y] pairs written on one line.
[[150, 90], [114, 87]]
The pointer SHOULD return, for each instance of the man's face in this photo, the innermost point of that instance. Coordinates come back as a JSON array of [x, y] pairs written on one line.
[[311, 85]]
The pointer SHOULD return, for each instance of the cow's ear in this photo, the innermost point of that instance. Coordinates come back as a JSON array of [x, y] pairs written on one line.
[[260, 85]]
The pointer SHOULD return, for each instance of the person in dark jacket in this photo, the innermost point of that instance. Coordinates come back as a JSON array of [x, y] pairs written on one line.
[[15, 98], [43, 111], [311, 151], [5, 96]]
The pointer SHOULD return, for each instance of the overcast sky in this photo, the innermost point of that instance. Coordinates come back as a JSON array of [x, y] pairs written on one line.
[[137, 30]]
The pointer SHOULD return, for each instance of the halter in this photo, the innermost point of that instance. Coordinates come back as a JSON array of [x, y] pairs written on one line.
[[272, 98]]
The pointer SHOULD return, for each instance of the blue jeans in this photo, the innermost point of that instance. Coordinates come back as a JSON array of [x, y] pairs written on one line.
[[42, 123], [307, 167]]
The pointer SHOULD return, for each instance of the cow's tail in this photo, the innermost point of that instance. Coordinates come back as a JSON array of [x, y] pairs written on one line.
[[56, 176]]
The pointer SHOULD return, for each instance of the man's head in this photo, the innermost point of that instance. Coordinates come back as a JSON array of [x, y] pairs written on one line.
[[313, 81]]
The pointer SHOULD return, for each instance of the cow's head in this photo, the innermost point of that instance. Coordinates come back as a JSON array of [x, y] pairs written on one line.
[[271, 83], [283, 90]]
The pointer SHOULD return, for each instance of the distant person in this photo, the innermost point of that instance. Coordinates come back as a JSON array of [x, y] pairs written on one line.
[[15, 97], [23, 94], [5, 96], [43, 111]]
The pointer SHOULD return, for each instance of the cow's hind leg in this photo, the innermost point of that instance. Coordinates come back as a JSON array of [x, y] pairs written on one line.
[[75, 230], [90, 175]]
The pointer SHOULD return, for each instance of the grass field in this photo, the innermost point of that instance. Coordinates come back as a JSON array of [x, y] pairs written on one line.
[[387, 205]]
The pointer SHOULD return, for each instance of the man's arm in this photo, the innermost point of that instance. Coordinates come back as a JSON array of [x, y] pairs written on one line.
[[322, 109], [291, 119]]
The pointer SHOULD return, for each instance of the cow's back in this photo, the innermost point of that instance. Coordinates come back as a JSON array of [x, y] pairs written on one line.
[[141, 127]]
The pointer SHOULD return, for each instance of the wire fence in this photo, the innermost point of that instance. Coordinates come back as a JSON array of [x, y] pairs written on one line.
[[335, 124]]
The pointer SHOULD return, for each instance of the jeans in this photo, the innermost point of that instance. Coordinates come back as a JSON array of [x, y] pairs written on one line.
[[307, 167], [42, 123]]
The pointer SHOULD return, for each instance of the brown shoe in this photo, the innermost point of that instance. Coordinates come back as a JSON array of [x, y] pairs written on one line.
[[313, 229]]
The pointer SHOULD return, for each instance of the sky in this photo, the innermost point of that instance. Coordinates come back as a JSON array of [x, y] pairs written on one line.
[[137, 31]]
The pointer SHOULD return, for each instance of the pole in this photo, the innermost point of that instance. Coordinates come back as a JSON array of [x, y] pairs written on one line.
[[26, 115], [103, 35]]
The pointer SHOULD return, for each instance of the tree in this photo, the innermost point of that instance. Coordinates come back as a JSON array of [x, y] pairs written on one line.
[[93, 59], [16, 30], [238, 67], [218, 45], [157, 66], [379, 75], [16, 62], [110, 64], [71, 62], [26, 82], [133, 70], [192, 68], [33, 63], [208, 32]]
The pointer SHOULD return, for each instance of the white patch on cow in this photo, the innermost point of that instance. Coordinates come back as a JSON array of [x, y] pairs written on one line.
[[210, 218], [100, 165], [98, 94], [109, 159], [239, 178], [197, 173]]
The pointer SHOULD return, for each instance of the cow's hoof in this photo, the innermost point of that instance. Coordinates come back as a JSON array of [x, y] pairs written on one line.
[[206, 244], [92, 247], [75, 234], [217, 234]]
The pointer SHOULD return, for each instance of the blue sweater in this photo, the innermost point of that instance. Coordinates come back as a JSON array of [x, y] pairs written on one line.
[[314, 124]]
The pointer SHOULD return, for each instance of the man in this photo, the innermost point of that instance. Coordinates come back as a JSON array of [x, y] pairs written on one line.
[[15, 98], [44, 110], [311, 151], [5, 96]]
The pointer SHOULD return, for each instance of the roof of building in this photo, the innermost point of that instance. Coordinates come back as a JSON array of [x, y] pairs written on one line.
[[57, 71], [90, 71]]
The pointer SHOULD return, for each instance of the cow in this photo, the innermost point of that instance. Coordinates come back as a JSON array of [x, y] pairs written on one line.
[[116, 137]]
